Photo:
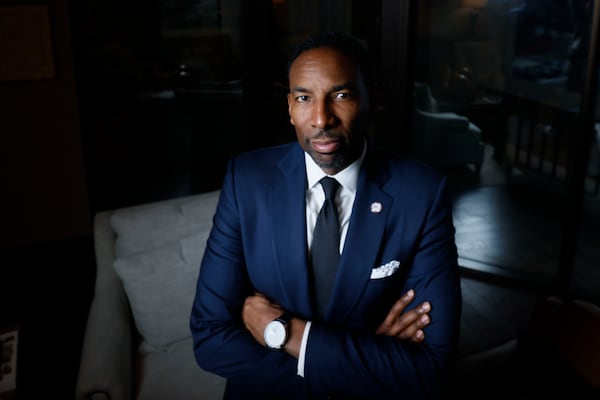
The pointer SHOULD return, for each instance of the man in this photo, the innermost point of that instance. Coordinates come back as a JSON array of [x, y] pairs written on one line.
[[396, 247]]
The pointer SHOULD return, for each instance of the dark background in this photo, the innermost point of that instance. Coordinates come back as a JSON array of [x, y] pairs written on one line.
[[105, 133]]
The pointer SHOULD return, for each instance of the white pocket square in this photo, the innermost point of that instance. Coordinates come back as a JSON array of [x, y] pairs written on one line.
[[385, 270]]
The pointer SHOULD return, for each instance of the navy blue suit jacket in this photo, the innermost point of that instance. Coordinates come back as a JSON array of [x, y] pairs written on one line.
[[258, 243]]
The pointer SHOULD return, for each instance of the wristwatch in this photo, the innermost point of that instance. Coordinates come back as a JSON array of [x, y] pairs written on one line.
[[276, 332]]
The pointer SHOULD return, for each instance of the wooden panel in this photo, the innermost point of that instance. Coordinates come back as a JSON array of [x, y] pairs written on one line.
[[25, 43]]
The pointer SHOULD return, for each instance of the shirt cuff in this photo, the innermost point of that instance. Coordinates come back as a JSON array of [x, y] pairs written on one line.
[[303, 349]]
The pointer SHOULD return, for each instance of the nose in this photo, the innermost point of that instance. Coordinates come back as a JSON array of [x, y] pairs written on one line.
[[322, 115]]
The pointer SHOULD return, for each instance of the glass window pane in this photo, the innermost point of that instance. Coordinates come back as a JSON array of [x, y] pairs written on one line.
[[201, 38], [586, 267], [496, 98]]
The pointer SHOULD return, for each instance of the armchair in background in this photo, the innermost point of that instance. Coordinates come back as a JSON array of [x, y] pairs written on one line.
[[443, 139]]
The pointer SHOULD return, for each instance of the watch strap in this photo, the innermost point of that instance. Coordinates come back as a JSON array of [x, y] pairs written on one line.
[[285, 318]]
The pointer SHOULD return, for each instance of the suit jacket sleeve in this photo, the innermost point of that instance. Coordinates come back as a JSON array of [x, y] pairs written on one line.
[[221, 342], [358, 363], [344, 359]]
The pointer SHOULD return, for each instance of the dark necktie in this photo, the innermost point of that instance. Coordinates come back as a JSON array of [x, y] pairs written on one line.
[[325, 246]]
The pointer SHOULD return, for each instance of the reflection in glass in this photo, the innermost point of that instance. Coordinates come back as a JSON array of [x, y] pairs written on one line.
[[515, 70]]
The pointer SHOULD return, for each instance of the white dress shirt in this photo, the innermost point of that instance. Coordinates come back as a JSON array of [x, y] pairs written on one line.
[[315, 197]]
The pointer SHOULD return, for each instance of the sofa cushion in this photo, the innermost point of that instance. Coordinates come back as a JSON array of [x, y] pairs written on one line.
[[174, 375], [160, 286], [144, 227], [158, 261]]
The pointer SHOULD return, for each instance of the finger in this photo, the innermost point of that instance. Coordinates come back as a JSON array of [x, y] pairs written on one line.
[[421, 319], [400, 305], [408, 324], [414, 331], [394, 326], [418, 337], [402, 326], [396, 310]]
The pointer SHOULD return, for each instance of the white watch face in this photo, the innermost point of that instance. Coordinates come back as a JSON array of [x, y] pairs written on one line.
[[275, 334]]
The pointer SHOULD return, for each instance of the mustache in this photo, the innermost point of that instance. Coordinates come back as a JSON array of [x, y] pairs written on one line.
[[326, 134]]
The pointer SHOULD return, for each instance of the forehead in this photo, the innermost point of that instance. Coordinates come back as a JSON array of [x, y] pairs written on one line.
[[323, 61]]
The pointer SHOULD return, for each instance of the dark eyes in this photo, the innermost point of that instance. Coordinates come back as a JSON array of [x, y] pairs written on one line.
[[343, 95], [335, 96]]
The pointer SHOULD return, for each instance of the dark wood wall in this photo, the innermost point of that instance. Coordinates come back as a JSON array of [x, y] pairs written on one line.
[[44, 193]]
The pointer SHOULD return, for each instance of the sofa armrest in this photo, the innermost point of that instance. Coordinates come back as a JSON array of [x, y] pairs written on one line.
[[105, 369]]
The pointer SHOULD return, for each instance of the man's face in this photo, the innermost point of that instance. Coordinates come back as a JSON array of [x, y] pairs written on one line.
[[328, 105]]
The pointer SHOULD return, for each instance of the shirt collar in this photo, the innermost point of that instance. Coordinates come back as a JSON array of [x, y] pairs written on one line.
[[348, 177]]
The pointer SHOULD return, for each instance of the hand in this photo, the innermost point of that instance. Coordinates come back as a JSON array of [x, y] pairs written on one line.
[[257, 312], [406, 325]]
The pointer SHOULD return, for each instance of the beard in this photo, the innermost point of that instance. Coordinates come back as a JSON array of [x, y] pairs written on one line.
[[336, 163], [344, 155]]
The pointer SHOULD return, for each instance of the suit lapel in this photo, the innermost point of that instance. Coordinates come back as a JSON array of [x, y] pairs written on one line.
[[363, 241], [288, 222]]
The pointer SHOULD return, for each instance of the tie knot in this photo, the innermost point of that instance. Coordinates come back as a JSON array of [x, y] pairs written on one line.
[[330, 187]]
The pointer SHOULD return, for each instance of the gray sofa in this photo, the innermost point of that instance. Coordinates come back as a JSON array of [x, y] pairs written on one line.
[[137, 343]]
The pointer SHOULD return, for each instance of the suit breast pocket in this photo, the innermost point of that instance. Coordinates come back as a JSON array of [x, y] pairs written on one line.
[[385, 270]]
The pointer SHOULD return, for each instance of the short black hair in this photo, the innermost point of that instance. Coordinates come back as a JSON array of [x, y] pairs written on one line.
[[347, 45]]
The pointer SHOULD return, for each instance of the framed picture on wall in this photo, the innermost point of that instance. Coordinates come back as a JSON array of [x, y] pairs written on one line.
[[25, 43]]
